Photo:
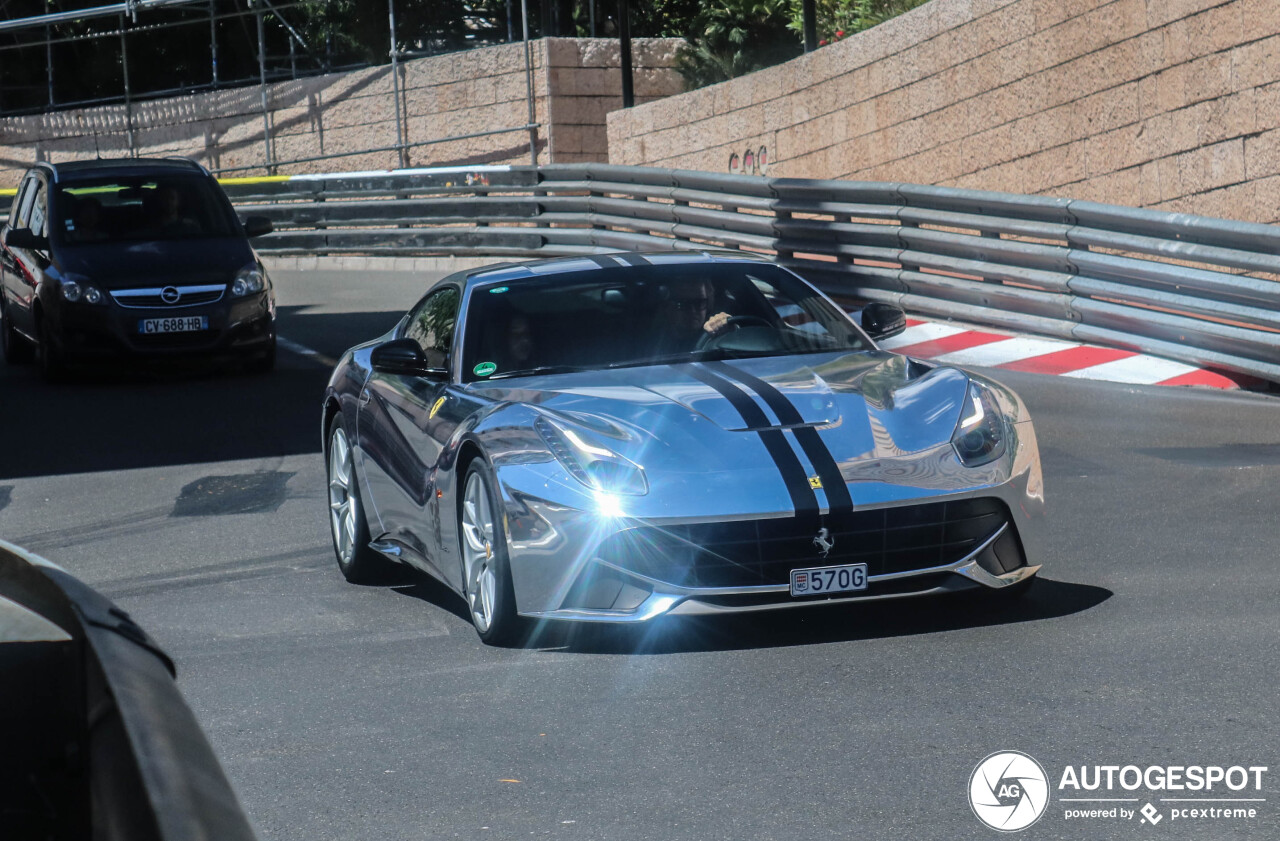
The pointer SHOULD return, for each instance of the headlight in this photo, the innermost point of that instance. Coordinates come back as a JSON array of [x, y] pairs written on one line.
[[596, 467], [248, 280], [78, 290], [980, 435]]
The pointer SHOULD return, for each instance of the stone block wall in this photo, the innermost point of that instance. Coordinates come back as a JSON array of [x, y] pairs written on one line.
[[1172, 104], [576, 83]]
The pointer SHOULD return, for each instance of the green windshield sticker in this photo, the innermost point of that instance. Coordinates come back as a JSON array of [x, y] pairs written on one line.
[[498, 290], [484, 369]]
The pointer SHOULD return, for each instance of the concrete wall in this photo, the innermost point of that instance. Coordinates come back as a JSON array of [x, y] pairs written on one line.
[[1173, 104], [576, 82]]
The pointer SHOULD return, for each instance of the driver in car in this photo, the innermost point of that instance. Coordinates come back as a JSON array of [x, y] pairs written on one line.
[[684, 317]]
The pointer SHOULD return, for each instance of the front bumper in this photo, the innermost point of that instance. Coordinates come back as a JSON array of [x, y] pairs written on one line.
[[562, 566], [236, 326]]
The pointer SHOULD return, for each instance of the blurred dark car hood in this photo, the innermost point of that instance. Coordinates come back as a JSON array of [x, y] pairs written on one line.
[[177, 262]]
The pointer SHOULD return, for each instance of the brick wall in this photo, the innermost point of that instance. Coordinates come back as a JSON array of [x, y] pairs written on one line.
[[1173, 104], [576, 82]]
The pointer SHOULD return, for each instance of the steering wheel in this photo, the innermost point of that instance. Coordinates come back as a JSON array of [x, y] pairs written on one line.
[[736, 322]]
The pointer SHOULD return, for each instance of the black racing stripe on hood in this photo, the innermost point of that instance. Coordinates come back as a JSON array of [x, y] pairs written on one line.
[[602, 261], [803, 499], [810, 440], [632, 259]]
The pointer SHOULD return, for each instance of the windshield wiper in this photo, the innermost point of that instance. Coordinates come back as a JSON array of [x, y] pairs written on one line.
[[540, 369], [708, 355]]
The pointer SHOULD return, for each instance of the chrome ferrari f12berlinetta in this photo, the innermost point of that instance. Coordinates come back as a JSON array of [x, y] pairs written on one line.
[[619, 437]]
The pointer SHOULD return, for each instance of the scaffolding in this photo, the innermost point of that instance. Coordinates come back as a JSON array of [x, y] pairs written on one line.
[[128, 20]]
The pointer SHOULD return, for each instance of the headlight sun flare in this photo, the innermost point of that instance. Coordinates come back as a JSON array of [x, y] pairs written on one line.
[[596, 467]]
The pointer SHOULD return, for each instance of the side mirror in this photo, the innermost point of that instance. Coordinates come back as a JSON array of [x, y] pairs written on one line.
[[256, 226], [24, 238], [881, 321], [404, 356]]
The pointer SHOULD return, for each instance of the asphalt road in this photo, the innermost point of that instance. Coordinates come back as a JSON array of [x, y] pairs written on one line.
[[195, 499]]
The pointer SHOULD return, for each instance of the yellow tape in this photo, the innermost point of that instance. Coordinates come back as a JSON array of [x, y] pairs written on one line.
[[8, 191], [263, 179]]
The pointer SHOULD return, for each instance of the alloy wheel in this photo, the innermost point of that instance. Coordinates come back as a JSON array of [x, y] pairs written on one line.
[[477, 551], [342, 499]]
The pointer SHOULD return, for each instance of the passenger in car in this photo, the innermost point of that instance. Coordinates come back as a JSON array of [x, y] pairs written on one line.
[[87, 221], [520, 345]]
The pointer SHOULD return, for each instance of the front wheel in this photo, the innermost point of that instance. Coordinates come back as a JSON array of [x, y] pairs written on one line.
[[53, 368], [359, 564], [17, 349], [485, 565]]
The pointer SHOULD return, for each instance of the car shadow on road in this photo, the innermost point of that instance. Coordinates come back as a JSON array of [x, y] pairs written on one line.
[[123, 415], [419, 585], [1048, 599]]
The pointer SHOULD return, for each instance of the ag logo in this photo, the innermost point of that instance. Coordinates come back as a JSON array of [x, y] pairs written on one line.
[[1008, 791]]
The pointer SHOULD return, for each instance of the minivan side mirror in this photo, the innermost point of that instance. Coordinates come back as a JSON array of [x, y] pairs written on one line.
[[881, 321], [404, 356], [256, 226], [25, 238]]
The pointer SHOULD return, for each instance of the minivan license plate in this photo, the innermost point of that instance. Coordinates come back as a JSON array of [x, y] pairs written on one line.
[[185, 324], [819, 580]]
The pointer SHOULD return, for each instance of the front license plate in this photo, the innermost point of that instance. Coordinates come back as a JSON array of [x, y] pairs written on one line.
[[184, 324], [819, 580]]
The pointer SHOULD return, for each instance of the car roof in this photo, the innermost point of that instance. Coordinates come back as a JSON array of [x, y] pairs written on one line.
[[120, 167], [502, 272]]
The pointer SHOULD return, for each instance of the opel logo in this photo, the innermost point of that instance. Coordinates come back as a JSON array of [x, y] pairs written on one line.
[[170, 295]]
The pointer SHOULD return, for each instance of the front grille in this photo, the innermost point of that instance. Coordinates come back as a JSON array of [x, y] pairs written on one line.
[[761, 552], [188, 296]]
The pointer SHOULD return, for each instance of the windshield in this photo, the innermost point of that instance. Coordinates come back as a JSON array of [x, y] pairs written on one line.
[[145, 208], [637, 315]]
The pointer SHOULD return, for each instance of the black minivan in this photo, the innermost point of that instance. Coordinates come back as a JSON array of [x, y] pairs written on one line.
[[135, 256]]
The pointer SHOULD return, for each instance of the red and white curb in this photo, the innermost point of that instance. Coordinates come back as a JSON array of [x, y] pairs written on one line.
[[960, 345]]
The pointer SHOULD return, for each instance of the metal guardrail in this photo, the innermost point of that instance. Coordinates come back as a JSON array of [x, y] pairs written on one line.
[[1201, 290]]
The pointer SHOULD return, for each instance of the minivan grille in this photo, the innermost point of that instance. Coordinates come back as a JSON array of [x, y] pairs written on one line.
[[154, 298]]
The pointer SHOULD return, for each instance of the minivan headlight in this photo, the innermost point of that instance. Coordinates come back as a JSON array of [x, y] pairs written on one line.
[[76, 289], [248, 281]]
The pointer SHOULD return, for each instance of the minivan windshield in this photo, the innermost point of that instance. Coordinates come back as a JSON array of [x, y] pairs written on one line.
[[644, 315], [144, 208]]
